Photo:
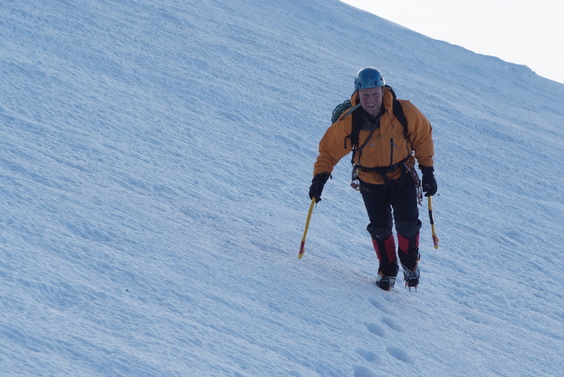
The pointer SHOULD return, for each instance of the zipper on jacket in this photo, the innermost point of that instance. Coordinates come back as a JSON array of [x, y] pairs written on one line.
[[392, 146]]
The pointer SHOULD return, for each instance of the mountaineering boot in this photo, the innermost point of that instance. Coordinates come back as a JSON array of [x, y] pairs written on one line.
[[411, 278], [408, 251], [386, 282], [385, 247]]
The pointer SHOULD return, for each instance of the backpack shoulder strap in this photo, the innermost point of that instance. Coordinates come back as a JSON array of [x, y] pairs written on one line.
[[398, 112], [356, 125]]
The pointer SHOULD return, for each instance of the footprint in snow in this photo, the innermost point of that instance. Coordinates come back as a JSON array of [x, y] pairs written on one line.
[[368, 355], [380, 306], [381, 331], [400, 354], [375, 329], [392, 324], [362, 371]]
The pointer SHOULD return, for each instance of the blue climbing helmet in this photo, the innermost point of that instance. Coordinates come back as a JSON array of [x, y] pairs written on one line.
[[369, 77]]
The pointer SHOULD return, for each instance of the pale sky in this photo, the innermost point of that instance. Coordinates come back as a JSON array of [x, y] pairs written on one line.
[[527, 32]]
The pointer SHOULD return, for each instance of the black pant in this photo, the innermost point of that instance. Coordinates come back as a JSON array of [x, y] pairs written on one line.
[[393, 202]]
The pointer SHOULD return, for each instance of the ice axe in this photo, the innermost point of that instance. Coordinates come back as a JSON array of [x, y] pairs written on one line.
[[435, 238], [302, 246]]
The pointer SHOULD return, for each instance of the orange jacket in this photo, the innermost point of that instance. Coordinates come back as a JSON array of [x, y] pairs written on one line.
[[387, 146]]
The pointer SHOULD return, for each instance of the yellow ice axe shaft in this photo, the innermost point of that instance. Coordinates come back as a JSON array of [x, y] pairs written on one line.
[[435, 238], [302, 246]]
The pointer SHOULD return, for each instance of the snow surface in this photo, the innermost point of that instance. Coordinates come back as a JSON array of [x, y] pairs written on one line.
[[155, 164]]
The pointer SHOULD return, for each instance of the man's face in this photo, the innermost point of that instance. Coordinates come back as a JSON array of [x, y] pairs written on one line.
[[371, 100]]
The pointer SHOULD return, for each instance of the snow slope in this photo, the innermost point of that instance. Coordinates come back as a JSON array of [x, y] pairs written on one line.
[[155, 159]]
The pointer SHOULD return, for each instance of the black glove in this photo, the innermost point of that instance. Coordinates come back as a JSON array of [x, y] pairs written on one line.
[[429, 182], [316, 187]]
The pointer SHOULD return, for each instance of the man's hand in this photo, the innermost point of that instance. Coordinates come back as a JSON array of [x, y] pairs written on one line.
[[317, 184], [429, 182]]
